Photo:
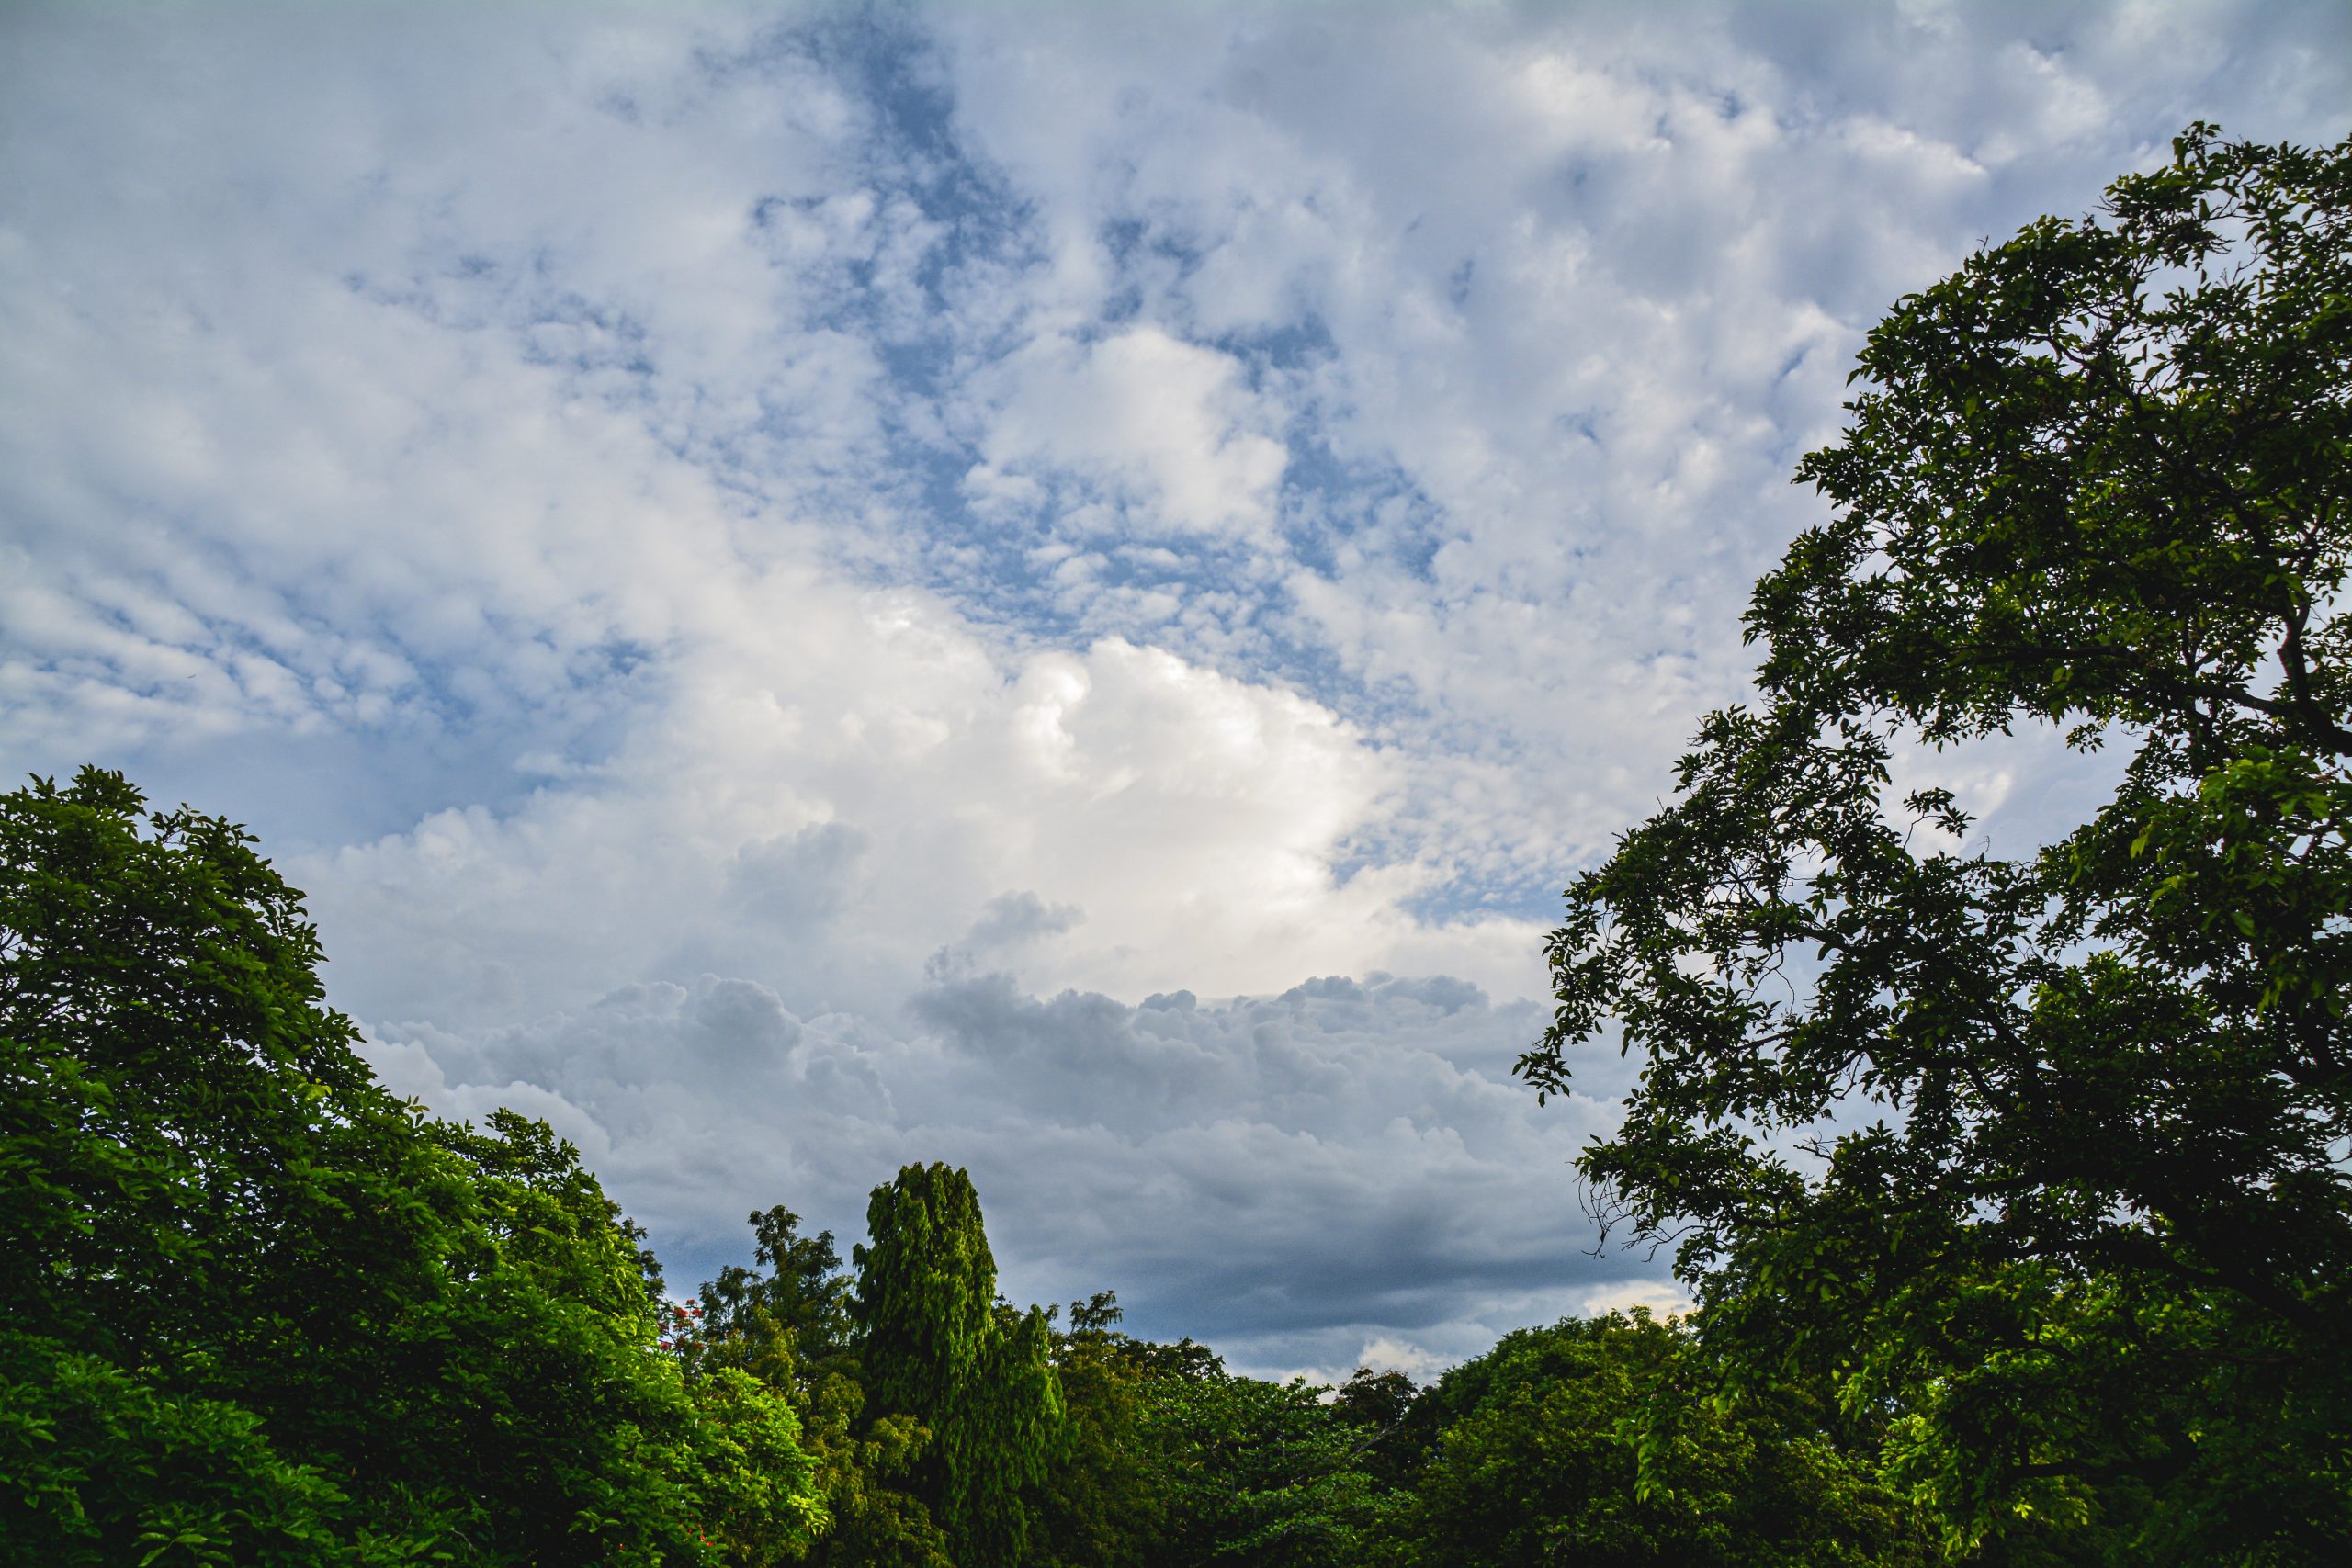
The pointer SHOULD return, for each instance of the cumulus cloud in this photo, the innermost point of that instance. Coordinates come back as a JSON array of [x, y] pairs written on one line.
[[909, 791], [1167, 429], [977, 528]]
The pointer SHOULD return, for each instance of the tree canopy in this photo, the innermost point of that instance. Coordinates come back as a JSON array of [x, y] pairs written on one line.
[[257, 1311], [939, 1346], [2043, 1150], [1598, 1441], [268, 1315]]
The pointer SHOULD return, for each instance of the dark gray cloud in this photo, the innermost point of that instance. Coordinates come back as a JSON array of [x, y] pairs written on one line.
[[1294, 1175]]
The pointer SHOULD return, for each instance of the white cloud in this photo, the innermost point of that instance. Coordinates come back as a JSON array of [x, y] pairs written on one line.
[[837, 789], [1662, 1298], [1165, 425]]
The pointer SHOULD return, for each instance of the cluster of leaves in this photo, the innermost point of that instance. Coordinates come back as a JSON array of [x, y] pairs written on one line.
[[1171, 1461], [1606, 1441], [931, 1410], [2039, 1162], [255, 1311], [1076, 1448], [1262, 1472]]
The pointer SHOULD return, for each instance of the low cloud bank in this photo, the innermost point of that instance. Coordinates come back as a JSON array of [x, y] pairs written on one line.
[[1341, 1172]]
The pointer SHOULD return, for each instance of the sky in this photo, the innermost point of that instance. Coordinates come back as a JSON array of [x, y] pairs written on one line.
[[1056, 588]]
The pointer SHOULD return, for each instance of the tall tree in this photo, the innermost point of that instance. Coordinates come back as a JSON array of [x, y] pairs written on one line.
[[939, 1346], [790, 1327], [2047, 1153], [254, 1310]]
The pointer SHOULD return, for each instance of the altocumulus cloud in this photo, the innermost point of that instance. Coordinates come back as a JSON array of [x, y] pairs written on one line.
[[798, 584]]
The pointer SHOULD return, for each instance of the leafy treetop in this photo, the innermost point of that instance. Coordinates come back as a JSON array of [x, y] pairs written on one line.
[[2046, 1152]]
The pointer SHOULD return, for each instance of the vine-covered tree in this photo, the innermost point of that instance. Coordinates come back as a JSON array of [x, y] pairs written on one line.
[[939, 1346], [2045, 1152]]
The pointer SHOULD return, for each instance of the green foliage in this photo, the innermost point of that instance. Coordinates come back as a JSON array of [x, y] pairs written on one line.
[[1597, 1442], [554, 1428], [265, 1314], [176, 1105], [1101, 1504], [1265, 1474], [939, 1348], [257, 1310], [103, 1469], [791, 1331], [791, 1324], [864, 1477], [751, 1481], [1172, 1461], [2044, 1155], [1379, 1405]]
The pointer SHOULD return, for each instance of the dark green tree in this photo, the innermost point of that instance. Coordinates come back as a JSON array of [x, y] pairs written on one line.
[[254, 1310], [1267, 1473], [169, 1081], [937, 1345], [790, 1329], [205, 1200], [2044, 1154], [1598, 1441], [1379, 1405], [1102, 1504]]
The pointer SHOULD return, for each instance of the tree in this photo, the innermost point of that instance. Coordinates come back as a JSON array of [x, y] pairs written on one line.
[[205, 1199], [1267, 1473], [1596, 1442], [792, 1326], [939, 1346], [2044, 1154], [791, 1330], [1379, 1405], [563, 1439], [254, 1310], [1102, 1504], [169, 1081]]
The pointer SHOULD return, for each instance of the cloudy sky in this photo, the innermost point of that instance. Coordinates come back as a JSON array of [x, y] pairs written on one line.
[[1058, 587]]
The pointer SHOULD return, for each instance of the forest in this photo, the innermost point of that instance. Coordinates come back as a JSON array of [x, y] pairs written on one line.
[[2014, 1189]]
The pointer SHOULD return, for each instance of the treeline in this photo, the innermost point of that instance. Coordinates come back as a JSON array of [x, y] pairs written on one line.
[[1599, 1440], [254, 1311]]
